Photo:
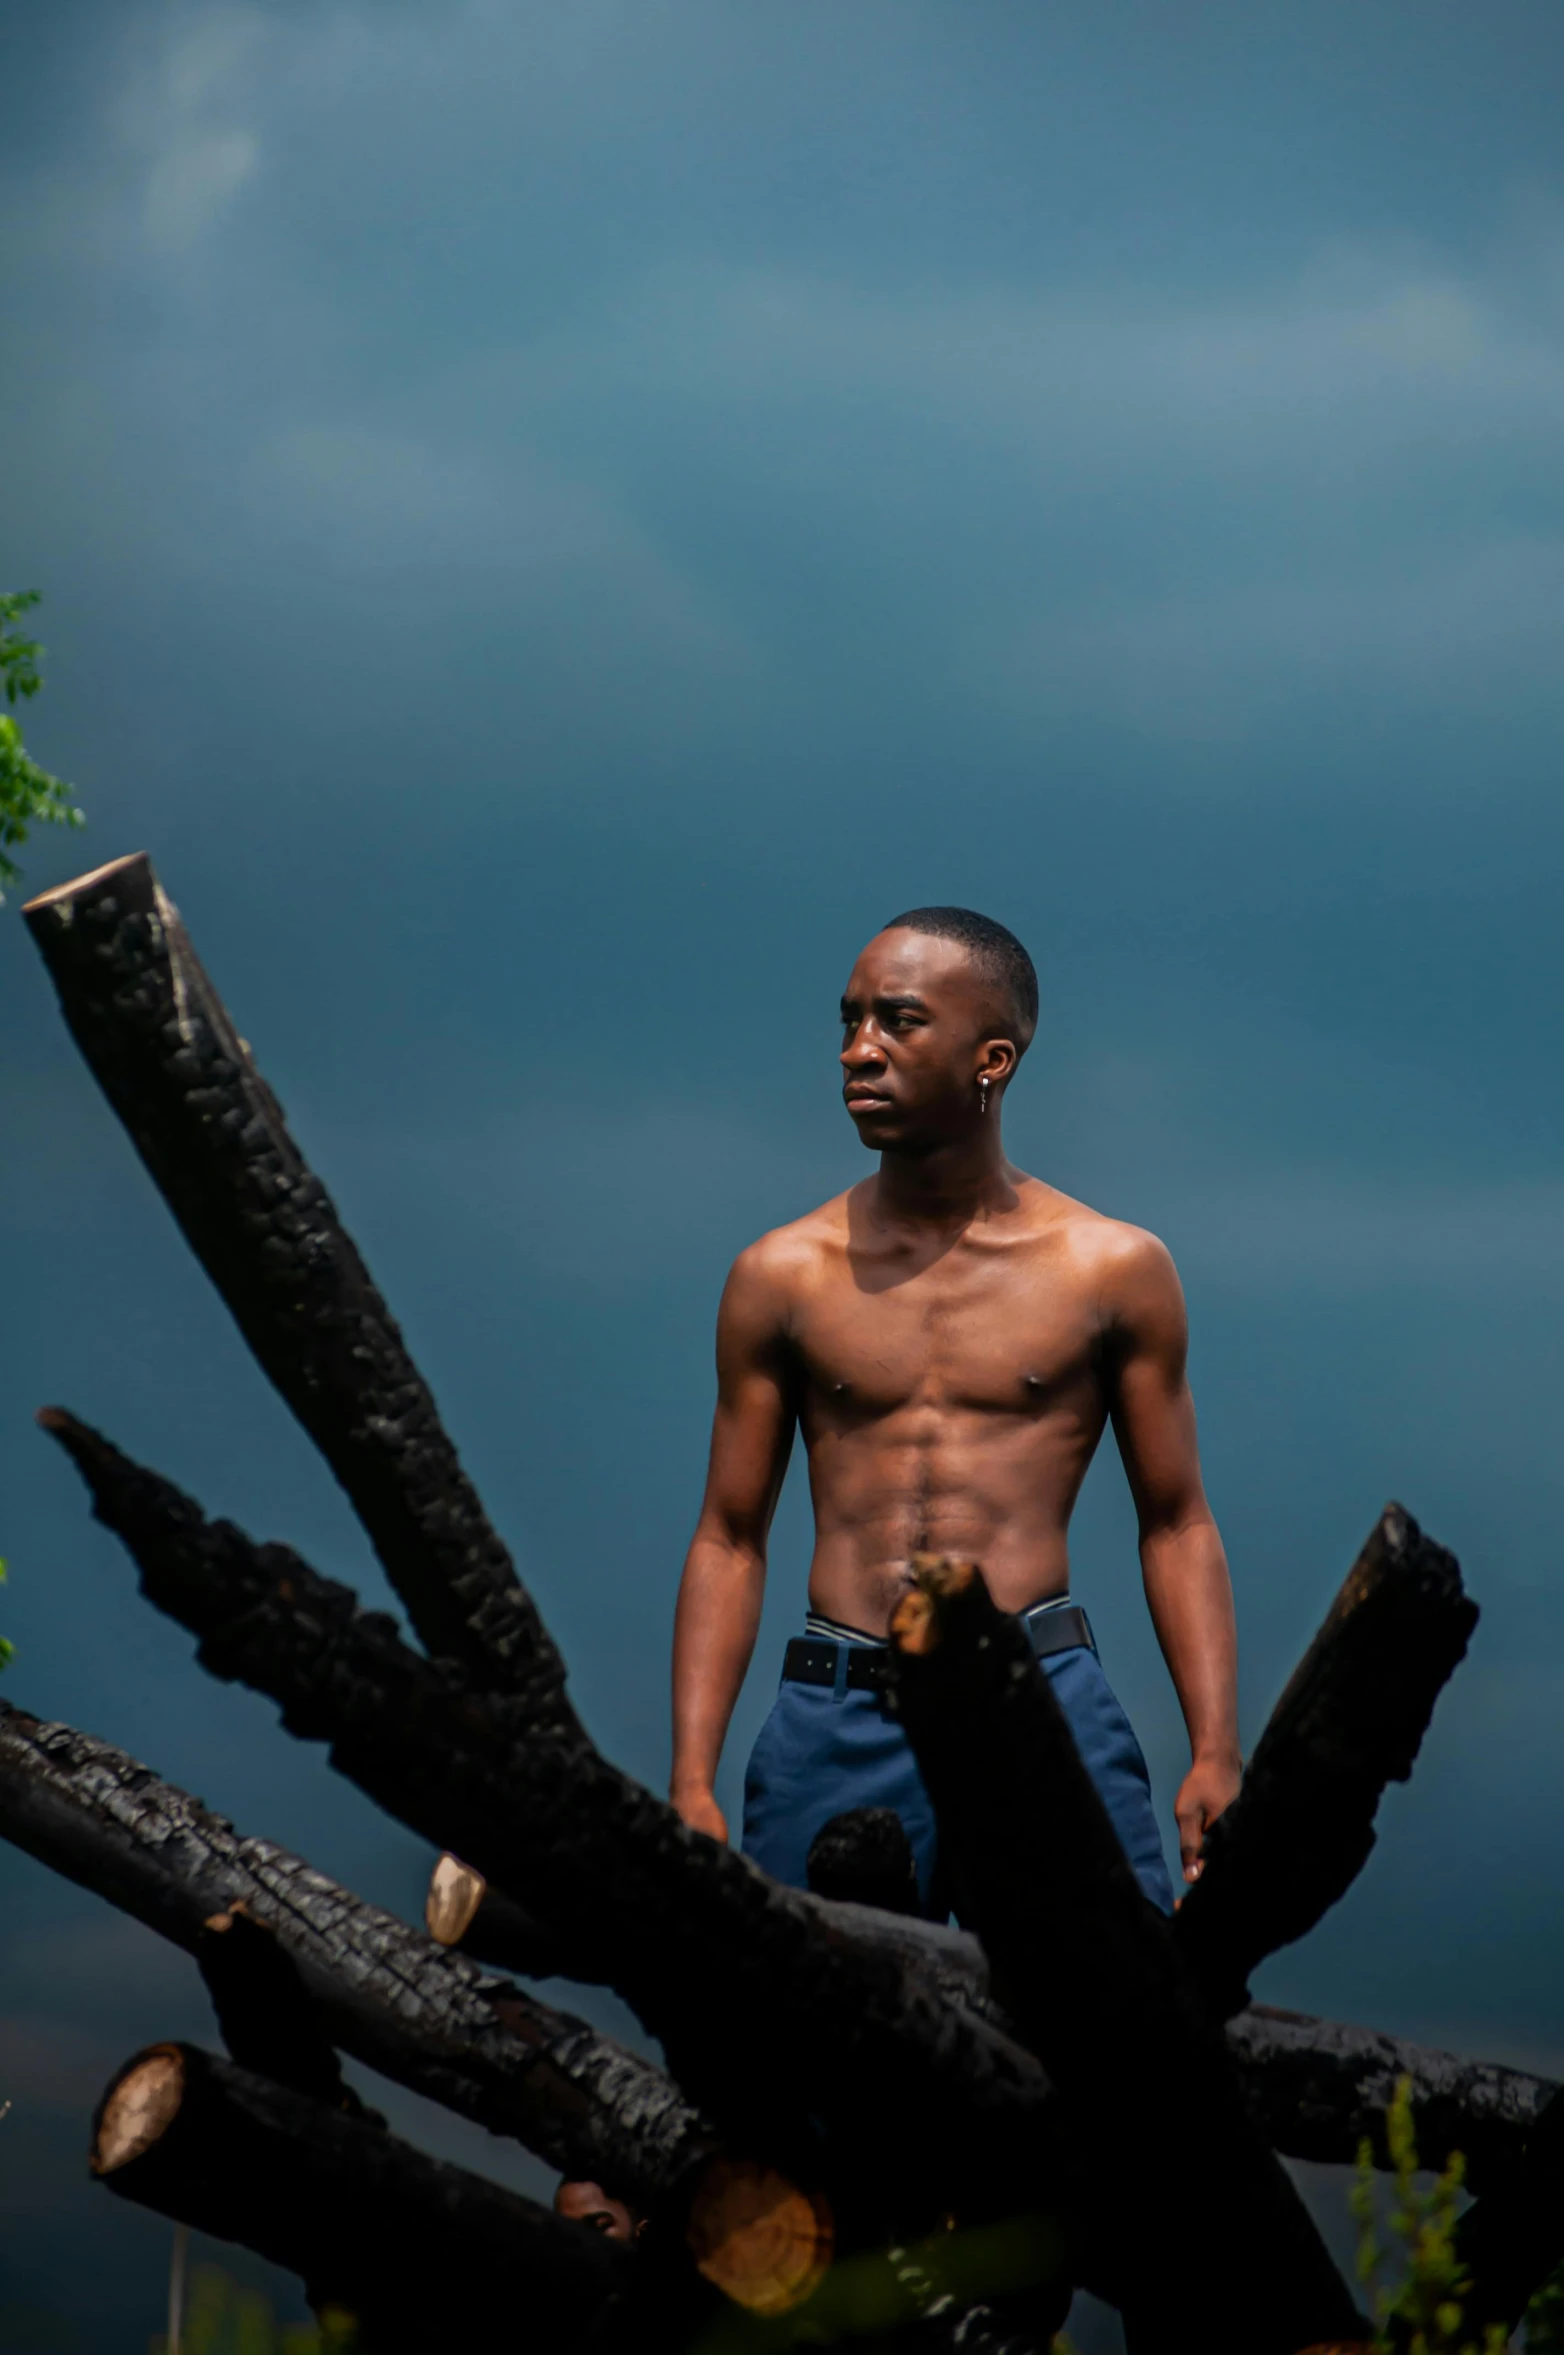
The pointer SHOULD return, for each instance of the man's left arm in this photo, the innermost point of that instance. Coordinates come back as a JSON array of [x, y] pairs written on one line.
[[1185, 1570]]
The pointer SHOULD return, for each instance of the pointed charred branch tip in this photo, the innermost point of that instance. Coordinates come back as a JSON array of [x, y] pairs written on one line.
[[97, 1459], [1352, 1719]]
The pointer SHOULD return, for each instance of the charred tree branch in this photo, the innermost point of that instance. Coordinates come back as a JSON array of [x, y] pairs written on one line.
[[1090, 1971], [924, 2099], [420, 2251], [1320, 2088], [163, 1048], [382, 1992], [1350, 1720]]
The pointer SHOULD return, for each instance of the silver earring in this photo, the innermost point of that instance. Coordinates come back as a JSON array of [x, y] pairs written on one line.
[[982, 1095]]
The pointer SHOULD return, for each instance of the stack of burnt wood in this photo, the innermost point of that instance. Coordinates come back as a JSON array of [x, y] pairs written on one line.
[[863, 2125]]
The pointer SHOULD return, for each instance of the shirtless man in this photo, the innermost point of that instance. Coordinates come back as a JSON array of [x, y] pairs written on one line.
[[953, 1336]]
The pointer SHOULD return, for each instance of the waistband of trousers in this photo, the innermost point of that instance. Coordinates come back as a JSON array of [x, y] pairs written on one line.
[[830, 1652], [837, 1631]]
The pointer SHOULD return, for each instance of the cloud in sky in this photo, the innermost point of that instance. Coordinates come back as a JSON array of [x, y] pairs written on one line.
[[1185, 500]]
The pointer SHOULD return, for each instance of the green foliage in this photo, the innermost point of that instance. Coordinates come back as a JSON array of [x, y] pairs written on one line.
[[29, 796], [223, 2318], [1419, 2313]]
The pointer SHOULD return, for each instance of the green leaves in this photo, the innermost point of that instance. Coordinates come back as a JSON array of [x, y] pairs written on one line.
[[1419, 2313], [29, 795]]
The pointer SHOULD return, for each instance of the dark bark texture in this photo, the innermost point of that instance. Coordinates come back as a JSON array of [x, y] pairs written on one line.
[[1320, 2088], [163, 1048], [1351, 1720], [425, 2254], [925, 2103], [1090, 1971], [384, 1993], [432, 2020]]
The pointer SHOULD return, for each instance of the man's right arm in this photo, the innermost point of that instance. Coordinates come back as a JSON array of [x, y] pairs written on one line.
[[725, 1572]]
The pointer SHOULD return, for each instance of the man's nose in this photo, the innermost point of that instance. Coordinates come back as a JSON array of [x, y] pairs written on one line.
[[862, 1049]]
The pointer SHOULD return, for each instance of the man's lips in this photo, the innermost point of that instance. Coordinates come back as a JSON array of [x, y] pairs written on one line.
[[864, 1100]]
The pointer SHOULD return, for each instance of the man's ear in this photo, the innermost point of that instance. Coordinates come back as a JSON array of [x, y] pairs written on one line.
[[998, 1060]]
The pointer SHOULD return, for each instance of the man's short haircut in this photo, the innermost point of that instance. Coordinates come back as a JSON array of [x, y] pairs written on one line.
[[993, 948]]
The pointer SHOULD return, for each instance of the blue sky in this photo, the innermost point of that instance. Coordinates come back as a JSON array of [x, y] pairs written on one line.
[[554, 523]]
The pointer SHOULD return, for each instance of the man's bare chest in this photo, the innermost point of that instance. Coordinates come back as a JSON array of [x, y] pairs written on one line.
[[993, 1332]]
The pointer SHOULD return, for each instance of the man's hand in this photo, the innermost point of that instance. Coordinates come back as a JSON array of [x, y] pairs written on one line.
[[700, 1811], [1210, 1786]]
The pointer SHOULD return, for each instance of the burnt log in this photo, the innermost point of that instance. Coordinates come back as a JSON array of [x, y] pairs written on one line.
[[1090, 1971], [421, 2253], [927, 2104], [161, 1045], [864, 1857], [1321, 2088], [480, 2046], [382, 1992], [1350, 1720]]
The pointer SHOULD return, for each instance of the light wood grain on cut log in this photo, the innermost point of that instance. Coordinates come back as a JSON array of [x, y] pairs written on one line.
[[81, 883], [759, 2239], [455, 1894], [139, 2109]]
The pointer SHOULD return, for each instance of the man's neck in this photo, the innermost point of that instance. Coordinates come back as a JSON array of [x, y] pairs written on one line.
[[948, 1185]]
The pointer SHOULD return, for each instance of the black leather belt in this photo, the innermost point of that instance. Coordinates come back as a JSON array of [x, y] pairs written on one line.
[[813, 1659]]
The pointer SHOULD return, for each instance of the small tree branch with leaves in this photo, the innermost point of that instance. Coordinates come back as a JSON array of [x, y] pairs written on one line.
[[29, 795]]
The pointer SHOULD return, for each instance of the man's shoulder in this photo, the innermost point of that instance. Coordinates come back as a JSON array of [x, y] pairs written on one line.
[[790, 1255], [1113, 1252]]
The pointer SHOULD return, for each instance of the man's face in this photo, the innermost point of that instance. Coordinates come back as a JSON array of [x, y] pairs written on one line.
[[588, 2203], [919, 1024]]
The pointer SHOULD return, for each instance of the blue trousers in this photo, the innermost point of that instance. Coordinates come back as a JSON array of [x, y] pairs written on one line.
[[820, 1753]]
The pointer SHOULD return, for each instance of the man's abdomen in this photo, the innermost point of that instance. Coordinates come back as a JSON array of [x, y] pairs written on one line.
[[997, 1489]]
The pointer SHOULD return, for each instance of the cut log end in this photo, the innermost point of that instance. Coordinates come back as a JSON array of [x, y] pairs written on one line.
[[915, 1625], [138, 2108], [943, 1574], [757, 2237], [79, 885], [455, 1893]]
